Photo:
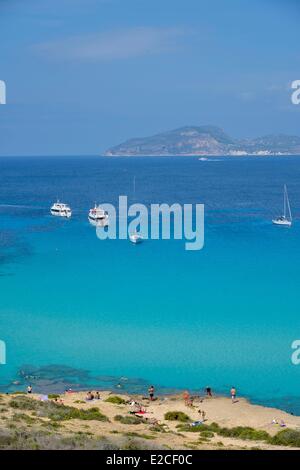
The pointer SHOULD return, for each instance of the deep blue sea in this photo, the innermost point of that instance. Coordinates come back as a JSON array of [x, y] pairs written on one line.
[[109, 311]]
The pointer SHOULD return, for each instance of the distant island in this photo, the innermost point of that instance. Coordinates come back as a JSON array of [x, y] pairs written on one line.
[[206, 140]]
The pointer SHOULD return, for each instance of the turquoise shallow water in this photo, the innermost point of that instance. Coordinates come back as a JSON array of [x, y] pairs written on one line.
[[223, 316]]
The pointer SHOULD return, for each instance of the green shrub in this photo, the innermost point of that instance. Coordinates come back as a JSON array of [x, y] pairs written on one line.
[[213, 427], [55, 411], [23, 417], [52, 425], [62, 413], [141, 436], [177, 416], [241, 432], [286, 437], [53, 396], [157, 428], [189, 428], [206, 434], [128, 419], [116, 400], [23, 403], [244, 432]]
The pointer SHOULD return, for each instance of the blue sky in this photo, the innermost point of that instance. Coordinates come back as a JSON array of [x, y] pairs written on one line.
[[83, 75]]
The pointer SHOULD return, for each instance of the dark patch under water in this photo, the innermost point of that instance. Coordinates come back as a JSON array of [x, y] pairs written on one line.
[[56, 378]]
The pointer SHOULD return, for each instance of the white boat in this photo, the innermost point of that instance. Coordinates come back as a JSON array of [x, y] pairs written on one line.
[[136, 238], [98, 216], [286, 218], [61, 210]]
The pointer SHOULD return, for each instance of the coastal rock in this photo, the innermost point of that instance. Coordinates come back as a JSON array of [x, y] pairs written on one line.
[[205, 140]]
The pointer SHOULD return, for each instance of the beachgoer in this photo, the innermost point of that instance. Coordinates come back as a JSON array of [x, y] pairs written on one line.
[[186, 397], [97, 396], [203, 415], [190, 401], [151, 392], [208, 392], [89, 396], [233, 394], [29, 389]]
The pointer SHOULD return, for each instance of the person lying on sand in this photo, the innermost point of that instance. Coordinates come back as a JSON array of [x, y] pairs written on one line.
[[281, 423], [137, 408]]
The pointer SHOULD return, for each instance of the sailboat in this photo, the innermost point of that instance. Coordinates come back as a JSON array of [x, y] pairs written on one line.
[[286, 218]]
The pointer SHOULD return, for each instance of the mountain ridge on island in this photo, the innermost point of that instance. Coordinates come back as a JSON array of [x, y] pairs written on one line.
[[205, 140]]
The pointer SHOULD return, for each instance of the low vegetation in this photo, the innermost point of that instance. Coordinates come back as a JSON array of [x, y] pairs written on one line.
[[130, 419], [241, 432], [24, 439], [56, 412], [286, 437], [158, 428], [177, 416], [116, 400]]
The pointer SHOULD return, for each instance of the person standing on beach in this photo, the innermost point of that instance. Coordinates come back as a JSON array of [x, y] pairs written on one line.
[[186, 397], [29, 389], [233, 394], [151, 392], [208, 392]]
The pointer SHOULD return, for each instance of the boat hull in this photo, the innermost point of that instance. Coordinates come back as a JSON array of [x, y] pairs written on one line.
[[98, 222], [66, 215], [136, 240], [285, 223]]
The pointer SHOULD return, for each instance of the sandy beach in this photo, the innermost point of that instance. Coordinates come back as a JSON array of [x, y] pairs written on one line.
[[154, 430]]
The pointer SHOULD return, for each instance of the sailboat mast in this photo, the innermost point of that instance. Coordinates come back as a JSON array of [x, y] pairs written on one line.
[[288, 204], [284, 201]]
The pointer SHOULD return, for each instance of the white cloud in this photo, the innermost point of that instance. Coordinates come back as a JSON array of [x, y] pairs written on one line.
[[112, 45]]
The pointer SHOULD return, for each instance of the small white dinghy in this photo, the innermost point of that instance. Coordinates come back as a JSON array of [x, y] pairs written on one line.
[[136, 238], [286, 218]]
